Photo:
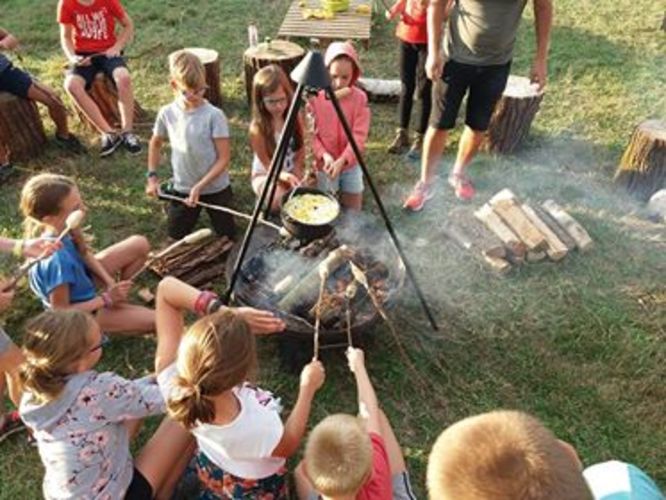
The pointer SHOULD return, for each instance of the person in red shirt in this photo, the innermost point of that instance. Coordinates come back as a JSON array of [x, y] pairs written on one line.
[[89, 40], [412, 32], [348, 457]]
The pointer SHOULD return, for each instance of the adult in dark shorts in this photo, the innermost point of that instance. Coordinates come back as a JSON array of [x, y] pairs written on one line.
[[478, 47], [18, 82], [89, 40]]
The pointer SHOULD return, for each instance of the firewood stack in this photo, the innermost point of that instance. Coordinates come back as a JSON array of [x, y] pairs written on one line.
[[506, 232], [201, 265]]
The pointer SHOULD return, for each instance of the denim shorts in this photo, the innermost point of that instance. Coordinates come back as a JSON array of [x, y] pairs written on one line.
[[349, 181], [15, 81], [98, 64]]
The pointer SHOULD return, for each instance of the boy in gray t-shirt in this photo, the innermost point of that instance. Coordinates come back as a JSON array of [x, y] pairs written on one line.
[[198, 134]]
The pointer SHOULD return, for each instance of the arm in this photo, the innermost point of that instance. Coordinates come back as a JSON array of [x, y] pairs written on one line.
[[7, 40], [397, 8], [67, 41], [438, 13], [124, 37], [360, 127], [29, 248], [543, 21], [312, 378], [223, 149], [59, 299], [367, 399], [154, 148], [96, 267]]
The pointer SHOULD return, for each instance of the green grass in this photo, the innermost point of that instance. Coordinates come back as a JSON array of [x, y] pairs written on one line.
[[578, 343]]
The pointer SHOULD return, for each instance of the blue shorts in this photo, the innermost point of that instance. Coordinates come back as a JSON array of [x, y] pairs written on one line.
[[98, 64], [349, 181], [15, 81]]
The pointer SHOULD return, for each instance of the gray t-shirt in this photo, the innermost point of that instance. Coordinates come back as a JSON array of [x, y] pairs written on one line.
[[5, 341], [191, 134], [4, 62], [483, 32]]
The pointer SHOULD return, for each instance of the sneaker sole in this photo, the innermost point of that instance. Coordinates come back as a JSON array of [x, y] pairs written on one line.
[[104, 154]]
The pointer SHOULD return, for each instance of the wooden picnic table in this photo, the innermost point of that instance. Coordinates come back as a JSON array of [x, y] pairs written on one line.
[[344, 25]]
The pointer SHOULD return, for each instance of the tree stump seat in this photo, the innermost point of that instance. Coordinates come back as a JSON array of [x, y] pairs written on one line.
[[285, 54], [21, 128]]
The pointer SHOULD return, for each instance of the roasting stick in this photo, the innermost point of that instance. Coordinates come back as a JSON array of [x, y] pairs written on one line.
[[317, 326], [187, 240], [72, 222], [350, 293]]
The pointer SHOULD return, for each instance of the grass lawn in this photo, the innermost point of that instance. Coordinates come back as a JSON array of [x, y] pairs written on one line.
[[578, 343]]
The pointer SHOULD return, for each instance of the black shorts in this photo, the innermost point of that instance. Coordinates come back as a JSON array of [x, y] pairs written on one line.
[[98, 64], [181, 219], [15, 81], [139, 488], [485, 84]]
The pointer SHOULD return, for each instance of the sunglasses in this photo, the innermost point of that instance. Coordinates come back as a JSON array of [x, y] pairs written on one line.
[[270, 101], [105, 340]]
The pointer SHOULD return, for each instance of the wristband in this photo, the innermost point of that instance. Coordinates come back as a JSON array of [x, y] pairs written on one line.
[[202, 302], [18, 248], [108, 301], [151, 174]]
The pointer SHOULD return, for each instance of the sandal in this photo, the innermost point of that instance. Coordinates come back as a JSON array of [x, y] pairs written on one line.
[[462, 186]]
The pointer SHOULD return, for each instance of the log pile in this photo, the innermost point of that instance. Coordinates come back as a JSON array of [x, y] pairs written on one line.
[[507, 232], [202, 265]]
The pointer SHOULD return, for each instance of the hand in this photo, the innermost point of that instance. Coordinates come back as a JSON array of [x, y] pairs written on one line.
[[5, 297], [334, 169], [434, 65], [539, 72], [313, 376], [355, 359], [193, 199], [80, 61], [113, 52], [152, 186], [37, 247], [388, 15], [119, 291], [9, 42], [260, 322], [328, 159], [290, 179]]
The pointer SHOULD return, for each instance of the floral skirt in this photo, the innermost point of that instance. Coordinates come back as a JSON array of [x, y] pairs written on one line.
[[214, 483]]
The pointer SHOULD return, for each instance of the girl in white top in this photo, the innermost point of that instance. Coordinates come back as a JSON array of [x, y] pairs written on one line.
[[242, 443], [271, 96]]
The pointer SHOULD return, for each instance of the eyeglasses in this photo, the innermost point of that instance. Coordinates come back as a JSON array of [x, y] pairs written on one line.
[[189, 94], [274, 101], [104, 340]]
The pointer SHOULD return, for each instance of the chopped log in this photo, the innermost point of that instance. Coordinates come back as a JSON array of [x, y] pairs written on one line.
[[642, 169], [493, 222], [211, 62], [555, 227], [535, 255], [555, 249], [285, 54], [507, 207], [498, 264], [571, 225], [21, 129], [103, 92], [462, 225], [380, 90], [513, 115]]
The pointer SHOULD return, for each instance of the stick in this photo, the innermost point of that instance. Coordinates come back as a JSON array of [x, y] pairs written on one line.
[[189, 239], [323, 277], [138, 55], [350, 293]]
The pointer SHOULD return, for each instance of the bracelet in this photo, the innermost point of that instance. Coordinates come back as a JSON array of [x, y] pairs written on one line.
[[150, 174], [18, 248], [202, 302], [106, 298]]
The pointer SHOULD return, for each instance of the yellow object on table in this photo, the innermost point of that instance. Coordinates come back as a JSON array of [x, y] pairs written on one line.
[[364, 9]]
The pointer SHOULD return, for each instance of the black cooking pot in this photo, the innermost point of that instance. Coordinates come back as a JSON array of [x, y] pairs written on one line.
[[302, 230]]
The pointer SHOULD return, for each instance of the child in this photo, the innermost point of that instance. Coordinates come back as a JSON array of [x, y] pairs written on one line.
[[199, 136], [242, 443], [69, 278], [83, 420], [90, 43], [271, 96], [503, 455], [350, 457], [337, 164], [21, 84], [413, 35]]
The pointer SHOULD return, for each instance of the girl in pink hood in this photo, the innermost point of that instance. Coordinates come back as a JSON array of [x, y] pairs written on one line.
[[337, 165]]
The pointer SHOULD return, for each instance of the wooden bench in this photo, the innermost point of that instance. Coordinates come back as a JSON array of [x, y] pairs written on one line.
[[344, 25]]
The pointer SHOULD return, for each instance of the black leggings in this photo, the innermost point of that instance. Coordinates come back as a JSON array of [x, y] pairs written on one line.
[[413, 77]]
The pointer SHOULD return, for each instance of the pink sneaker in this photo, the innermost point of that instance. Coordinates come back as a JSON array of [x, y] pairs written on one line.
[[421, 193], [462, 186]]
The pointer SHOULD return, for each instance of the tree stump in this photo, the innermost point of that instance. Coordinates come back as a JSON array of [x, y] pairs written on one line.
[[21, 129], [513, 115], [642, 170], [285, 54], [211, 62], [103, 92]]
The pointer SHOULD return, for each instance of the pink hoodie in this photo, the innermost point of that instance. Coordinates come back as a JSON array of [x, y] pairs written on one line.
[[329, 135]]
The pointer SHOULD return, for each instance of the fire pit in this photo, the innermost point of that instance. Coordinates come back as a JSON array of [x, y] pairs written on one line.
[[282, 275]]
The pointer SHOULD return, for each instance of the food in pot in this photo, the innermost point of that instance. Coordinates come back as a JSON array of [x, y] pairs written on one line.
[[313, 209]]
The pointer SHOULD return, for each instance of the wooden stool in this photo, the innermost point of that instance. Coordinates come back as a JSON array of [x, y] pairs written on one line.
[[211, 61], [103, 92], [642, 170], [285, 54], [21, 129], [513, 115]]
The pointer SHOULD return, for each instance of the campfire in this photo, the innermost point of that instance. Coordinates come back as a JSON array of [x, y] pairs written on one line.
[[284, 275]]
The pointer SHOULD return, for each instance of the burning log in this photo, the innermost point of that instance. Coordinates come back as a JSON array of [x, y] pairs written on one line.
[[571, 225], [514, 245], [642, 170], [556, 249], [505, 204], [21, 128]]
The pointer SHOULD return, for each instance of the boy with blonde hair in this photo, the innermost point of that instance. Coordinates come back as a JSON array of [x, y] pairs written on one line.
[[349, 457], [200, 151], [504, 455]]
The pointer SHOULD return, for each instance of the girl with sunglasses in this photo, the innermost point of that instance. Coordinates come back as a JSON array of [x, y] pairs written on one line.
[[271, 96], [200, 150]]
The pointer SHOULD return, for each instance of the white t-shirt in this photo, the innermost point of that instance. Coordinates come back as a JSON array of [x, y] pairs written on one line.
[[242, 447]]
